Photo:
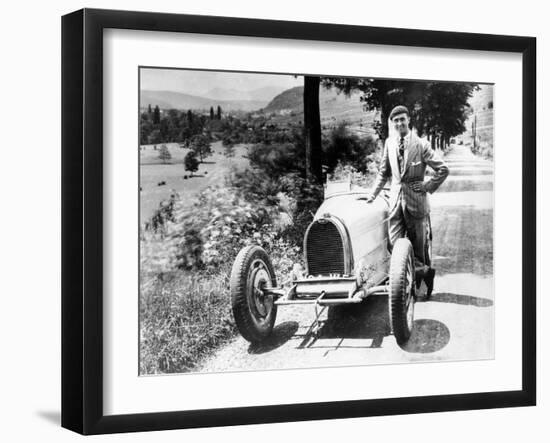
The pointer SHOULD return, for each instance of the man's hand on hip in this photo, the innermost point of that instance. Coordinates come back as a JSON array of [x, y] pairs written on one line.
[[418, 186]]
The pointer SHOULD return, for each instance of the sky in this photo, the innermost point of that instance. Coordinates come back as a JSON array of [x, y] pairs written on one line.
[[196, 82]]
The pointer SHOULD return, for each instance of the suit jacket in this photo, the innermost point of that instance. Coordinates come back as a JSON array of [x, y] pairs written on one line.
[[418, 155]]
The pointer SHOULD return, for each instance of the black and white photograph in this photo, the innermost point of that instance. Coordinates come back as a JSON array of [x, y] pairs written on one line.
[[291, 221]]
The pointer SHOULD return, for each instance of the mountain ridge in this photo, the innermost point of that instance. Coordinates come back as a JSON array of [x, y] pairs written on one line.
[[180, 100]]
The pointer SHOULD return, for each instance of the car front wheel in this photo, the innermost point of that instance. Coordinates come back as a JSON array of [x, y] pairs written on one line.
[[254, 311], [402, 286]]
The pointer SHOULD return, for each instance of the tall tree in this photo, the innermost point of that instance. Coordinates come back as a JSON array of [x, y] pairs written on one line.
[[156, 115], [443, 110], [200, 144], [211, 113], [219, 112], [312, 128]]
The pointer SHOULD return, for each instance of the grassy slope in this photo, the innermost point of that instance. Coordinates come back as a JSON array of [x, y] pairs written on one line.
[[152, 171]]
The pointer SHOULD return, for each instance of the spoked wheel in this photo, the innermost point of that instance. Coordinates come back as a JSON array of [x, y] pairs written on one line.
[[254, 312], [402, 287]]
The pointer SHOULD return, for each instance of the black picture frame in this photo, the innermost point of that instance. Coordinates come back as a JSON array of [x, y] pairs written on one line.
[[82, 218]]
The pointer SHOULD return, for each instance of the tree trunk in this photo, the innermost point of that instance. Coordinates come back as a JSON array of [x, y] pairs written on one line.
[[312, 126], [384, 115], [433, 140]]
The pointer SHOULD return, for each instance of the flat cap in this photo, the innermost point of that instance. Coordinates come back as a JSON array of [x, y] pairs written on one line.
[[398, 110]]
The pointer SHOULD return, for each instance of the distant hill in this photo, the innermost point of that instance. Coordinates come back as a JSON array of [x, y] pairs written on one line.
[[289, 100], [179, 100], [334, 108], [264, 94], [330, 100]]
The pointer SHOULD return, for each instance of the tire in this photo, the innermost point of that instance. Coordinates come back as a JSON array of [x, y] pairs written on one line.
[[430, 275], [402, 289], [254, 314], [428, 244]]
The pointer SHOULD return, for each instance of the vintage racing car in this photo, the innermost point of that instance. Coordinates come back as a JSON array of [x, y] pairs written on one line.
[[348, 259]]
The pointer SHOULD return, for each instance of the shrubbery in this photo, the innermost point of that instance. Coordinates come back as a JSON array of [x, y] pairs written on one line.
[[185, 266], [346, 148]]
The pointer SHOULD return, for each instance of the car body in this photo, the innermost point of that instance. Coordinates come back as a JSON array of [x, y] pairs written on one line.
[[347, 257]]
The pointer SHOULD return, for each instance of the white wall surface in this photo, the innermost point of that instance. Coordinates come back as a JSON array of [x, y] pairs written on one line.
[[30, 190]]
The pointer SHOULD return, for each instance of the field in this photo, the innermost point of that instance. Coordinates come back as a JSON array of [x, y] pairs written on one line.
[[153, 172]]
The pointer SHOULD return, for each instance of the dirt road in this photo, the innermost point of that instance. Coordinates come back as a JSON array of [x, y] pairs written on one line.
[[457, 323]]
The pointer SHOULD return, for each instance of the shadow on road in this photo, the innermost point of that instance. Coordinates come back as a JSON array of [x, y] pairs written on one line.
[[368, 320], [427, 336], [460, 299], [371, 320], [280, 335]]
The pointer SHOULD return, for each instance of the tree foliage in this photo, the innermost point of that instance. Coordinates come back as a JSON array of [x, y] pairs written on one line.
[[437, 108], [172, 126], [156, 115], [201, 145], [164, 154], [344, 147], [191, 162]]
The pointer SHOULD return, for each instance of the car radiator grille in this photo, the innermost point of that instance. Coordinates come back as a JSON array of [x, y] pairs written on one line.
[[324, 249]]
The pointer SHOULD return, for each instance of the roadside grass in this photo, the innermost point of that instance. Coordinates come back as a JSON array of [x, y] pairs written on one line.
[[183, 317], [186, 315]]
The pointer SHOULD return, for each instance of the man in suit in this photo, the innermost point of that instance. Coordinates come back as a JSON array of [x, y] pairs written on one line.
[[404, 161]]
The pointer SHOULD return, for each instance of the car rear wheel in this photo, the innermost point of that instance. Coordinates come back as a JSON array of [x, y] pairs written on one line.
[[253, 311], [402, 287]]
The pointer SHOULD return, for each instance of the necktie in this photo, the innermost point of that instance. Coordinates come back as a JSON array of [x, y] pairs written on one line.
[[401, 153]]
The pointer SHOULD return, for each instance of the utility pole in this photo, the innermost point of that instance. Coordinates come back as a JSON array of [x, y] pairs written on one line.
[[474, 131]]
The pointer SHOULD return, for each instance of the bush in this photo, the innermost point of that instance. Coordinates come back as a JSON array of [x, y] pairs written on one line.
[[278, 158], [289, 195], [206, 235], [345, 147]]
